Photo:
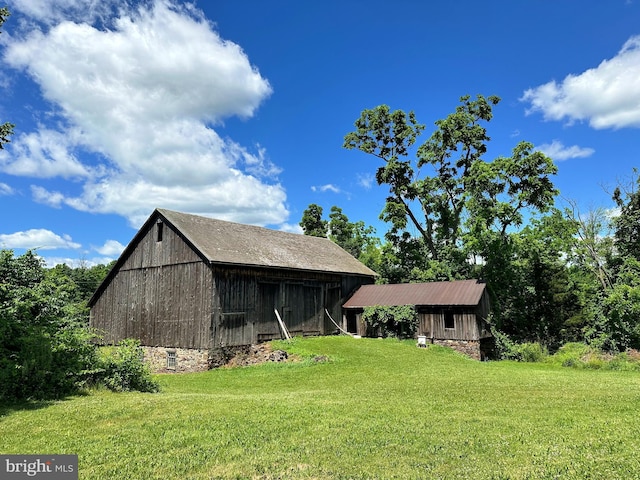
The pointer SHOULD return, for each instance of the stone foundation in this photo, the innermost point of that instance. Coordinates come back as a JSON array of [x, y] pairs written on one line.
[[186, 360], [470, 348]]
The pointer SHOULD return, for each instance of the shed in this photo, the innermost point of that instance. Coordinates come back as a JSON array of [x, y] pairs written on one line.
[[449, 313], [187, 285]]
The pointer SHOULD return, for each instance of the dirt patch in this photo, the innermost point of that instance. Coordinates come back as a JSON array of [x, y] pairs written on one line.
[[256, 354]]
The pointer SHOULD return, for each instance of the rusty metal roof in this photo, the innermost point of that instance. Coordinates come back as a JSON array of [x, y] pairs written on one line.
[[455, 293]]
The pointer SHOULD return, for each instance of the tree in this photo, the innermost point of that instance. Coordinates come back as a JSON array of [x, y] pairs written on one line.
[[46, 348], [312, 223], [459, 211], [355, 238], [627, 224], [6, 129]]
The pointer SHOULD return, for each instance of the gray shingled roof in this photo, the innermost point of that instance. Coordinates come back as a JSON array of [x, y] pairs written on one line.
[[456, 293], [234, 243]]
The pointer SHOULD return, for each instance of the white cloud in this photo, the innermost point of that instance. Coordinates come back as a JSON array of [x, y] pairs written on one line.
[[557, 151], [607, 96], [42, 154], [50, 12], [51, 262], [291, 228], [37, 238], [110, 248], [140, 102], [325, 188], [6, 189], [365, 180]]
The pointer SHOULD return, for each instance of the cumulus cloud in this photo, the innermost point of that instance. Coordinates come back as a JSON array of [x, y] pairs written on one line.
[[37, 238], [557, 151], [141, 104], [42, 154], [607, 96], [110, 248]]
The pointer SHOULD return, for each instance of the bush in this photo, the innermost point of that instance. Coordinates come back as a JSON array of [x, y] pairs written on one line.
[[580, 355], [527, 352], [122, 369], [46, 348], [398, 321]]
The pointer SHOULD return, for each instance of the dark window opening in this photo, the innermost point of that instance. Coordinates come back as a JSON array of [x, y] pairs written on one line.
[[449, 322], [159, 226]]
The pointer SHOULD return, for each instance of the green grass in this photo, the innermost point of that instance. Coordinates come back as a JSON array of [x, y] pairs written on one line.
[[377, 409]]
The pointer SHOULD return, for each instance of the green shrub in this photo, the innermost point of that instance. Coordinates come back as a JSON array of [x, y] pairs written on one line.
[[397, 321], [580, 355], [571, 354], [122, 369], [527, 352]]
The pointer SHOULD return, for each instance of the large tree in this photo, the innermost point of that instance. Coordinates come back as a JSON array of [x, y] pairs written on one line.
[[464, 203]]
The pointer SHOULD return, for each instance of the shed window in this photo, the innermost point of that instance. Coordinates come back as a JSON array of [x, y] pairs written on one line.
[[172, 360], [449, 322], [159, 228]]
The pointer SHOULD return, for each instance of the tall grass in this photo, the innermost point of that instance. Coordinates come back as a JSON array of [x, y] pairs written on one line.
[[377, 409]]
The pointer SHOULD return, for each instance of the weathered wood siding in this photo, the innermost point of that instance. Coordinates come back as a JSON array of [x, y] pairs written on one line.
[[164, 294], [247, 297], [465, 324], [160, 295]]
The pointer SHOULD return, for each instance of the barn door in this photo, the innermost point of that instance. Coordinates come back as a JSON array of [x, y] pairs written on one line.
[[266, 325]]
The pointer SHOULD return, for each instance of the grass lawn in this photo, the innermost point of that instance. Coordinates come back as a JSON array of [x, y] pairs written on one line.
[[378, 409]]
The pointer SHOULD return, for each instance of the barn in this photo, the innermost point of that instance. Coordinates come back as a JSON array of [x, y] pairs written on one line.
[[189, 286], [449, 313]]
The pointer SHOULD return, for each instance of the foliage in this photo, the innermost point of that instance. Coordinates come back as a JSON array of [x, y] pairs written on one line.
[[440, 415], [46, 347], [355, 238], [453, 214], [527, 352], [122, 369], [466, 198], [312, 223], [580, 355], [398, 321], [627, 224]]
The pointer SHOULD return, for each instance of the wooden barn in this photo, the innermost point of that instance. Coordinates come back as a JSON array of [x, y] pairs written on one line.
[[449, 313], [187, 284]]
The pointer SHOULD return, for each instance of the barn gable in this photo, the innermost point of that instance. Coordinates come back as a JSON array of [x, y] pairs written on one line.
[[191, 282]]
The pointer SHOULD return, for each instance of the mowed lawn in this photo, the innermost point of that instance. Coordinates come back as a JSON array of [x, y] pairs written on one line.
[[377, 409]]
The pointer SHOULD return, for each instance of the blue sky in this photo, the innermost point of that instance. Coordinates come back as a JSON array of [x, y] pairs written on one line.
[[237, 109]]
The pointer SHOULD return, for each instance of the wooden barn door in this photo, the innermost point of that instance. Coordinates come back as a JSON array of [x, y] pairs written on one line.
[[266, 326]]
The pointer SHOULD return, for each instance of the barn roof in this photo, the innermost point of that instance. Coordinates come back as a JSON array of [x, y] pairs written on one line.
[[456, 293], [234, 243]]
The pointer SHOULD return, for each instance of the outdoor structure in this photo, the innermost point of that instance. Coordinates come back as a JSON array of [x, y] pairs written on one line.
[[188, 286], [449, 313]]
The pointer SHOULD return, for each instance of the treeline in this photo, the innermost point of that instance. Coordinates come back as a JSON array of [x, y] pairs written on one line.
[[555, 275], [47, 349]]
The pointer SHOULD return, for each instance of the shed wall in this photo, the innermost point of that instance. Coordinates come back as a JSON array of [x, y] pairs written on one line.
[[465, 325]]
